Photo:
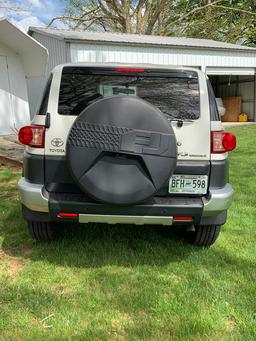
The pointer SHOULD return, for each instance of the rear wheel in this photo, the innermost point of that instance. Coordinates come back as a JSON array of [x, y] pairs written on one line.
[[42, 231], [204, 235]]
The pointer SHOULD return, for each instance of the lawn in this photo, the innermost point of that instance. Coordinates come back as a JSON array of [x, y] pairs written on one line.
[[136, 283]]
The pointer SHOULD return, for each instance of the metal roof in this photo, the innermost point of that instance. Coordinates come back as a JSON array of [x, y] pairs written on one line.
[[136, 39], [33, 55]]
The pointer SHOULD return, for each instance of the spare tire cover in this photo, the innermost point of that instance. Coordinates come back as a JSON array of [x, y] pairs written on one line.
[[121, 150]]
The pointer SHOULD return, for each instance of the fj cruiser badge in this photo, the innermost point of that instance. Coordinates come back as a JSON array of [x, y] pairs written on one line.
[[57, 142]]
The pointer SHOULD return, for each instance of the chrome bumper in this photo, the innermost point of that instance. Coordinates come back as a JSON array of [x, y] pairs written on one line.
[[36, 198]]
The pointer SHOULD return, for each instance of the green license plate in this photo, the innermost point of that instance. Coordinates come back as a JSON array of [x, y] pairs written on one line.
[[188, 184]]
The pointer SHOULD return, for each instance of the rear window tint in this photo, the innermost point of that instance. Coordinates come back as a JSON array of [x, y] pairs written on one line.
[[176, 97]]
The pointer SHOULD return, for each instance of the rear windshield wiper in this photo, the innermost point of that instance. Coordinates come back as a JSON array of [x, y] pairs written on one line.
[[180, 122]]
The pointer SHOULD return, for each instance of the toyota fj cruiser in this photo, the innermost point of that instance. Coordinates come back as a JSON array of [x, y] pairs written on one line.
[[126, 144]]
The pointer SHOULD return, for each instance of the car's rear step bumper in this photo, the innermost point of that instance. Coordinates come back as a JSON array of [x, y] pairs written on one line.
[[158, 207], [36, 198]]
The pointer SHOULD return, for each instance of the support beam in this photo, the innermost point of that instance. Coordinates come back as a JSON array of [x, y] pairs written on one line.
[[254, 98]]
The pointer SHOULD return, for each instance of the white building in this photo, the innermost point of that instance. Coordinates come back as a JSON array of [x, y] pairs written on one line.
[[230, 67], [20, 57]]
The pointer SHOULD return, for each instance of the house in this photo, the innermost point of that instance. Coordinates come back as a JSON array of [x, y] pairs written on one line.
[[21, 57], [231, 68]]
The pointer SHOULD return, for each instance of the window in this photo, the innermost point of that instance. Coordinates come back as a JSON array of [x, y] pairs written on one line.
[[176, 96], [214, 112], [44, 103]]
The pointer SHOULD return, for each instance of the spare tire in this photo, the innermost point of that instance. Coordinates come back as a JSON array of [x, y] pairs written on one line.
[[121, 150]]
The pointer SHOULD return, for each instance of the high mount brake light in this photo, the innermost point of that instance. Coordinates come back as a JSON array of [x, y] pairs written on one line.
[[222, 142], [32, 136], [129, 70]]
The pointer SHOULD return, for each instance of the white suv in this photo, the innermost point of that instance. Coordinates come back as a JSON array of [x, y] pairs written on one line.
[[126, 144]]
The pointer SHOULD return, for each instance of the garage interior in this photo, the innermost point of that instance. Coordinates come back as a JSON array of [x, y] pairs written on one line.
[[238, 94]]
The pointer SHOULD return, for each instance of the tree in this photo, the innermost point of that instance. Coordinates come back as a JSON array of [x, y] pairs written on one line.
[[225, 20], [127, 16]]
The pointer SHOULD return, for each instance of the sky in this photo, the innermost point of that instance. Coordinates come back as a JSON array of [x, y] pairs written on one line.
[[25, 13]]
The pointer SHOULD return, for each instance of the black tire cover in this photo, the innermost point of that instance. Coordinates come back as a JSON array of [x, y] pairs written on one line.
[[121, 150]]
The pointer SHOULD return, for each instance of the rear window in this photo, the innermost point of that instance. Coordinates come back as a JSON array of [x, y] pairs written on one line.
[[176, 94]]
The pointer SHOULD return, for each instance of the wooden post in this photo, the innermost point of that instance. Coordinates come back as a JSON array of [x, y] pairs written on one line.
[[254, 98]]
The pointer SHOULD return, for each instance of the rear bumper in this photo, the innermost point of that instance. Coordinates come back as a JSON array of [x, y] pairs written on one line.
[[159, 210], [33, 196], [219, 200]]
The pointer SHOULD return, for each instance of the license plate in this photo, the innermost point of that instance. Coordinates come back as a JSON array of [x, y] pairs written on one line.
[[188, 184]]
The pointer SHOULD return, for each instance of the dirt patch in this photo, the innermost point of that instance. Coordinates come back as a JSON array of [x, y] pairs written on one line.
[[231, 324], [15, 266], [5, 161], [10, 265], [27, 252], [118, 327], [11, 151]]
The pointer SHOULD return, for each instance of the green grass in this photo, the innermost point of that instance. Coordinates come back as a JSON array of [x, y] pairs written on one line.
[[135, 283]]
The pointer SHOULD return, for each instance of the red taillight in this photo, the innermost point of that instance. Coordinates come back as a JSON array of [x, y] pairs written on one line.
[[222, 142], [129, 69], [32, 136]]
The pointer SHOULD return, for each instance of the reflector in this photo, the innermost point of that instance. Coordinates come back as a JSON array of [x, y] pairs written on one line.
[[67, 215], [181, 218]]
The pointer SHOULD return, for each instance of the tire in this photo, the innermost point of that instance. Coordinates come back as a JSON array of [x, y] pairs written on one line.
[[42, 231], [204, 235]]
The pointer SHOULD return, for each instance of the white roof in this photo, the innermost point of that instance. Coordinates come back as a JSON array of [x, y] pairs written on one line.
[[33, 55], [137, 39]]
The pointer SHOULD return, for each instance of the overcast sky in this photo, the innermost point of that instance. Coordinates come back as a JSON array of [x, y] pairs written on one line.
[[36, 12]]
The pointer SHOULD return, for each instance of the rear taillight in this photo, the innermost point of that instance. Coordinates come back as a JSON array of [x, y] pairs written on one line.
[[222, 142], [32, 136]]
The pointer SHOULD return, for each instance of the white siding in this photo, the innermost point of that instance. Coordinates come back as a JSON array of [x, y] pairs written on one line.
[[57, 55], [85, 52], [17, 108]]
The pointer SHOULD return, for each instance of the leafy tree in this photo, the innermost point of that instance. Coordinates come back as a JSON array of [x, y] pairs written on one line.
[[225, 20], [127, 16]]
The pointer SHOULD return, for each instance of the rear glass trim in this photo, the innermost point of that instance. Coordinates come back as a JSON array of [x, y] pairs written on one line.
[[214, 111], [73, 74], [147, 72], [42, 109]]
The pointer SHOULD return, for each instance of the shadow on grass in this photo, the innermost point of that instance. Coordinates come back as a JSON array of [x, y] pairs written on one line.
[[95, 245], [98, 245]]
